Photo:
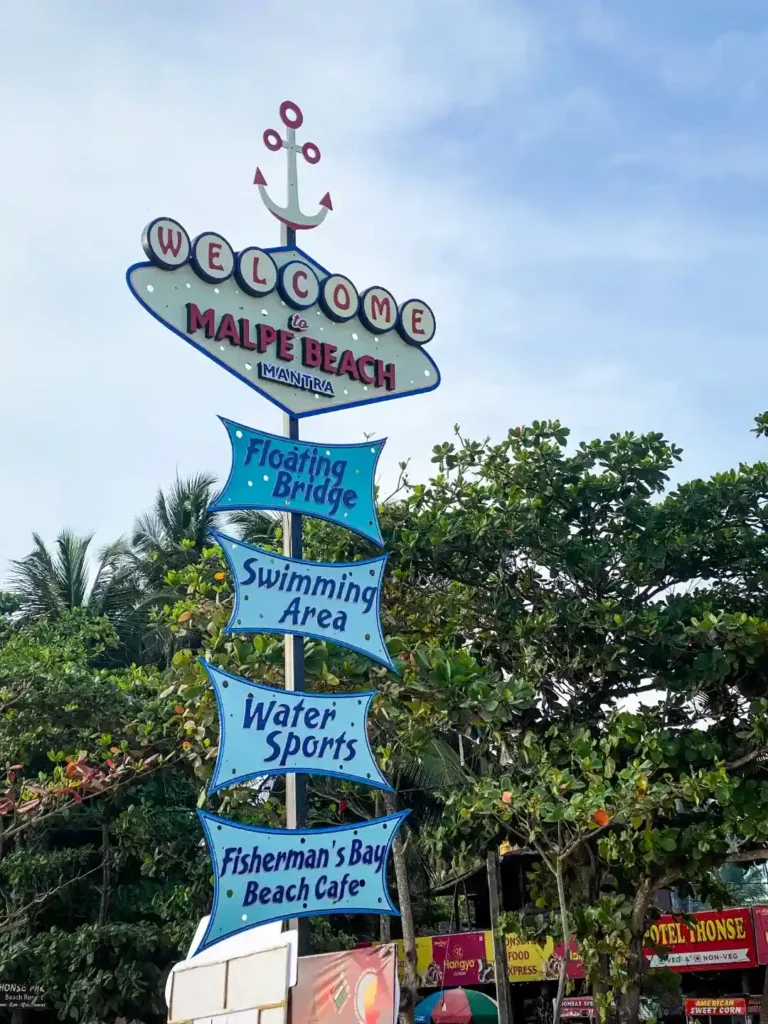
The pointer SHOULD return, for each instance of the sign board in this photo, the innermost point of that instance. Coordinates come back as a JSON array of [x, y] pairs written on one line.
[[529, 961], [455, 961], [358, 986], [334, 601], [16, 996], [200, 989], [719, 939], [311, 342], [266, 731], [335, 482], [449, 961], [303, 337], [760, 916], [263, 874], [716, 1007], [578, 1006], [468, 959]]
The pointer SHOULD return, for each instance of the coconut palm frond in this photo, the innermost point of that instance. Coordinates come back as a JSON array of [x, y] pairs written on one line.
[[255, 526]]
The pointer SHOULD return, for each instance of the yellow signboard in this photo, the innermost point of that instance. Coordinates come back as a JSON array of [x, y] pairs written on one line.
[[527, 961], [468, 959]]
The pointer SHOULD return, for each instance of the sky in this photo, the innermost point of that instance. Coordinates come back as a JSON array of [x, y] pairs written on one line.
[[578, 189]]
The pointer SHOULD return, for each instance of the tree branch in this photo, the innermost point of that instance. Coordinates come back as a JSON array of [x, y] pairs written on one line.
[[10, 922], [746, 758], [744, 856]]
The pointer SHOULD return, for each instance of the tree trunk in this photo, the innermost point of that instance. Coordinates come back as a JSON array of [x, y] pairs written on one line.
[[764, 1001], [105, 872], [565, 924], [628, 1003], [385, 921], [409, 992]]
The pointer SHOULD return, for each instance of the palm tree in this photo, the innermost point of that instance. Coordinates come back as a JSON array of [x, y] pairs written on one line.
[[255, 526], [48, 583], [174, 532]]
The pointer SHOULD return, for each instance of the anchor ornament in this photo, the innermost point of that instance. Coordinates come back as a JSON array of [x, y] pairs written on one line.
[[291, 215]]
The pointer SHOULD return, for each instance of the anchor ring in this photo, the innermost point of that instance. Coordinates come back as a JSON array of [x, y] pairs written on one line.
[[272, 140], [291, 115], [311, 153]]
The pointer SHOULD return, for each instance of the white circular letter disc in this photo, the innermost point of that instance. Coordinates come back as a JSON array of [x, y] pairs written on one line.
[[166, 243], [416, 323], [339, 298], [378, 310], [298, 285], [256, 271], [212, 257]]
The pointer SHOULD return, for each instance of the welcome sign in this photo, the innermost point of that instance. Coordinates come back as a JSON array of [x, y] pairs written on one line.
[[334, 482], [263, 875], [303, 337], [310, 341], [334, 601], [266, 731]]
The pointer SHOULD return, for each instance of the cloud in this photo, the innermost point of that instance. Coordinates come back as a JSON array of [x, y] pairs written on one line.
[[686, 55], [472, 161]]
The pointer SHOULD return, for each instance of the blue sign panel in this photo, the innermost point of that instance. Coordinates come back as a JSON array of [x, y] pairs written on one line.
[[336, 601], [265, 731], [263, 874], [328, 481]]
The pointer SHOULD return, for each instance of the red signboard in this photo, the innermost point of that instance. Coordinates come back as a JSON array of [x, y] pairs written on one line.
[[461, 959], [715, 1007], [761, 933], [718, 939]]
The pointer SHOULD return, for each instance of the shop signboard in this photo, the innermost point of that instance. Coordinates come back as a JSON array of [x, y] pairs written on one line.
[[468, 958], [717, 940], [449, 961], [20, 996], [578, 1006], [454, 960], [716, 1007], [760, 916], [459, 960], [531, 961]]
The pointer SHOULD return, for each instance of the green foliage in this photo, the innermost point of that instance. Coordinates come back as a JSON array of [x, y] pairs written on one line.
[[102, 880], [532, 592], [574, 574]]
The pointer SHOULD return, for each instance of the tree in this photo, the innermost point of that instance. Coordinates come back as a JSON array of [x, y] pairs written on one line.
[[101, 875], [175, 531], [531, 592], [50, 583], [9, 602], [257, 527], [616, 812], [574, 574]]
